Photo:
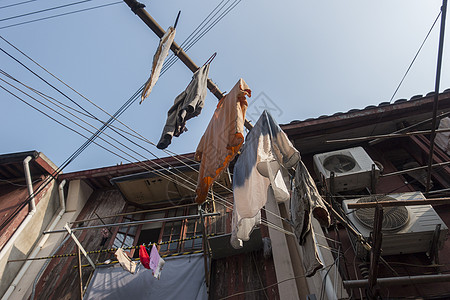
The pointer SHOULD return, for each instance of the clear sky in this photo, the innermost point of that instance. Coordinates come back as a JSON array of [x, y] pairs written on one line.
[[310, 58]]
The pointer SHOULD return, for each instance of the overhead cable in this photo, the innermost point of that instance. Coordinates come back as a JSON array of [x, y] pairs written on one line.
[[62, 14], [15, 4], [43, 10]]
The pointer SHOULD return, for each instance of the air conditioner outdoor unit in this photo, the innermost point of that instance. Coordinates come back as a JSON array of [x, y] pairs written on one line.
[[352, 168], [406, 229]]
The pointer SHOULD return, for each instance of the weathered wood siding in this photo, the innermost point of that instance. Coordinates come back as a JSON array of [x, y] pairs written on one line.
[[246, 276], [60, 279]]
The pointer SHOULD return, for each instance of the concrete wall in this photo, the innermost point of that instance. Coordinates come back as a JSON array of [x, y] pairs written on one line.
[[28, 237], [79, 192]]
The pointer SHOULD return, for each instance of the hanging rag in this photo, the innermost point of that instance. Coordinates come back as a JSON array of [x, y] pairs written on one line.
[[263, 162], [307, 201], [156, 262], [158, 61], [443, 138], [143, 257], [125, 262], [222, 139], [187, 105]]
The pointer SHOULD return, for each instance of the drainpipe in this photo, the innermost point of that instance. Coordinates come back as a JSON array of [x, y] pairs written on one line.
[[26, 168], [41, 244]]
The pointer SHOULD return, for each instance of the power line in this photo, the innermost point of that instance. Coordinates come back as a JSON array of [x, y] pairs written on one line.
[[407, 71], [113, 117], [15, 4], [44, 10], [62, 14], [415, 56]]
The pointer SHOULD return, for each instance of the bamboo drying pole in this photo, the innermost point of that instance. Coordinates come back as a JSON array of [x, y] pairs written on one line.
[[138, 9]]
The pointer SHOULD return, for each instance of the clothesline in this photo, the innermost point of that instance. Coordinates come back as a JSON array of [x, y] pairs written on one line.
[[137, 259], [111, 249]]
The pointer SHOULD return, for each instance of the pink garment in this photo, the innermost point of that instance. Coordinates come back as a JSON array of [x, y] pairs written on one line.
[[156, 262], [222, 139], [143, 257]]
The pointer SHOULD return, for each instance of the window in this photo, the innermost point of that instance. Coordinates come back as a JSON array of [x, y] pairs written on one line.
[[161, 231]]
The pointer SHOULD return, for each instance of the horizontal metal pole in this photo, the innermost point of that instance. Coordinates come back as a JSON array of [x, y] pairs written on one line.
[[391, 281], [399, 203], [386, 136], [136, 222], [415, 169], [132, 213]]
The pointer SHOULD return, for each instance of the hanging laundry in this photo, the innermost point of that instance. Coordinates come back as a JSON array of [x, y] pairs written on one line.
[[158, 60], [143, 257], [156, 262], [263, 162], [125, 261], [443, 138], [222, 139], [307, 201], [187, 105]]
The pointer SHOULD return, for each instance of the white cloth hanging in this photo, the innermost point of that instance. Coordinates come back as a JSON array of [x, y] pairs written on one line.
[[125, 262], [158, 61], [263, 162]]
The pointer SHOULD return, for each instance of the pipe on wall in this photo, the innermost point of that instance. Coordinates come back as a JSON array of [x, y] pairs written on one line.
[[41, 244], [26, 168]]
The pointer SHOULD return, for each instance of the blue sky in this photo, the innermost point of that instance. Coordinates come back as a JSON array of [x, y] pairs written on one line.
[[310, 58]]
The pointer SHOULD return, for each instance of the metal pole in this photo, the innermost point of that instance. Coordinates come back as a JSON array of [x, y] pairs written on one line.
[[399, 203], [138, 9], [135, 223], [415, 169], [80, 274], [393, 281], [442, 115], [387, 136], [376, 252], [205, 246], [436, 92]]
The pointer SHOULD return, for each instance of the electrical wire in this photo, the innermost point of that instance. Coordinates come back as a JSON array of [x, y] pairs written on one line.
[[62, 14], [415, 56], [222, 15], [15, 4], [43, 10], [194, 38], [407, 71]]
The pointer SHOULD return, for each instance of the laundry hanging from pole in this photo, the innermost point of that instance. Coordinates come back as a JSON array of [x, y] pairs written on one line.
[[306, 202], [125, 261], [222, 139], [156, 262], [262, 164], [187, 105], [144, 258], [158, 61]]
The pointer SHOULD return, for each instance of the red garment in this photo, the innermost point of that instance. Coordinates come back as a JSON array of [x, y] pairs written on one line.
[[144, 257]]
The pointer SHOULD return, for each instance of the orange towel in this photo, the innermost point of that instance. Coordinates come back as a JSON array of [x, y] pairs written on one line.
[[222, 139]]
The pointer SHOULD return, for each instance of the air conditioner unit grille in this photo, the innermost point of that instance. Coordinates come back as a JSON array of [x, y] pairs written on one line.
[[339, 163], [394, 218]]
